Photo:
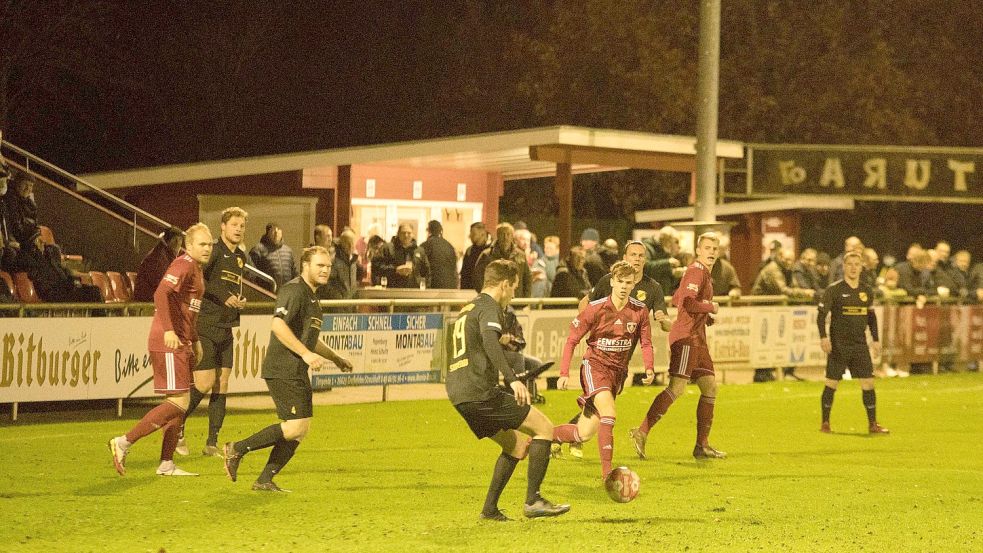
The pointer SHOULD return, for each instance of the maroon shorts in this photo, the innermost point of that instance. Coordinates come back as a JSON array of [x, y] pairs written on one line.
[[172, 370], [689, 361], [597, 378]]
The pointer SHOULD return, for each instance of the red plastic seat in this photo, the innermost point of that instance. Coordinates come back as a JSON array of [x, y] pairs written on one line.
[[25, 289], [101, 281], [47, 236], [9, 283], [121, 289]]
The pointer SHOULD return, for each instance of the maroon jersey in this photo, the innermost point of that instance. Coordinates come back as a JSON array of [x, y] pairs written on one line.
[[613, 335], [177, 302], [694, 299]]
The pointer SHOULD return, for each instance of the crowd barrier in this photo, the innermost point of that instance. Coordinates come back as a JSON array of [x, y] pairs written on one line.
[[60, 358]]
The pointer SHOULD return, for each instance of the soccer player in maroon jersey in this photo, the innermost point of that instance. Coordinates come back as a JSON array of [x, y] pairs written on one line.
[[689, 357], [174, 350], [614, 325]]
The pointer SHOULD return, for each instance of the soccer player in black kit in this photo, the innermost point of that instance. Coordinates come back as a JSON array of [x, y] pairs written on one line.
[[295, 346], [491, 412], [219, 315], [851, 306]]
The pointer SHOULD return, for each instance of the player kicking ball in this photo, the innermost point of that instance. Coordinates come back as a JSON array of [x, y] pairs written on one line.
[[613, 326], [505, 417]]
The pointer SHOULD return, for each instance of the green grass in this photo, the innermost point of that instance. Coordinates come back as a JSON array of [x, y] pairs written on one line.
[[409, 476]]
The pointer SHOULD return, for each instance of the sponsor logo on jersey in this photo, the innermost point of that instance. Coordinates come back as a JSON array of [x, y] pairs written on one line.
[[693, 286], [171, 278], [631, 327], [613, 344], [195, 305], [618, 322]]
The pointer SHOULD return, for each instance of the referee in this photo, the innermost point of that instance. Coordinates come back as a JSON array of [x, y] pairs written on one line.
[[505, 417], [219, 315], [851, 308], [295, 347]]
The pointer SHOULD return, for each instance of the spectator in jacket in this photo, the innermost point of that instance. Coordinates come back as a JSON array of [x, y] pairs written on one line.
[[571, 277], [345, 274], [771, 279], [273, 257], [504, 248], [804, 271], [52, 281], [662, 265], [156, 262], [441, 257], [404, 261], [480, 242]]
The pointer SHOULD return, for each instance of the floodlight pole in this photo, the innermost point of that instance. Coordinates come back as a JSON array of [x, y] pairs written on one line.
[[708, 75]]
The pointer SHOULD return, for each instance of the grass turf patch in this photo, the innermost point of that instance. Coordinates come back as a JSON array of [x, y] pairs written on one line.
[[410, 476]]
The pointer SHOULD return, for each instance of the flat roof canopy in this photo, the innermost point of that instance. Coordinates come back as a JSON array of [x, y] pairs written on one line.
[[520, 154], [826, 203]]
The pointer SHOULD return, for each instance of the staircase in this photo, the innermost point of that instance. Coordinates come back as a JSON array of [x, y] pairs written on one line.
[[109, 233]]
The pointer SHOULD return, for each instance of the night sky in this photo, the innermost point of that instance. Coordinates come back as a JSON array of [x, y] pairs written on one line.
[[105, 84]]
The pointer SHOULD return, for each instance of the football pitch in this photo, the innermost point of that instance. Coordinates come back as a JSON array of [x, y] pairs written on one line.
[[409, 476]]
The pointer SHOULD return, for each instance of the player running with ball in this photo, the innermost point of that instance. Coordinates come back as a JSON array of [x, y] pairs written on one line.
[[613, 325]]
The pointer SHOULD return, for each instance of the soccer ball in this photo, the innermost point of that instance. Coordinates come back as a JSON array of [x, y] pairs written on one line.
[[622, 484]]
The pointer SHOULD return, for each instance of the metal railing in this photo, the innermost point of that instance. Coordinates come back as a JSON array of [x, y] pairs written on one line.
[[437, 304]]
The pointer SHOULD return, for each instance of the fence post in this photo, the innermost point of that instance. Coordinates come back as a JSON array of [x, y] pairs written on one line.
[[385, 392], [119, 407], [13, 412]]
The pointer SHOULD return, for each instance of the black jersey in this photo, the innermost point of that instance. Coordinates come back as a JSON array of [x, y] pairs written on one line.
[[299, 307], [852, 312], [223, 279], [477, 357], [647, 291]]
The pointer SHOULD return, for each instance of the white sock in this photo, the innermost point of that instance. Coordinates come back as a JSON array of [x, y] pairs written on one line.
[[121, 442]]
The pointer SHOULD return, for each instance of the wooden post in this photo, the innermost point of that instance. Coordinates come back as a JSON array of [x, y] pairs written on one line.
[[564, 194], [13, 412], [343, 199], [119, 407]]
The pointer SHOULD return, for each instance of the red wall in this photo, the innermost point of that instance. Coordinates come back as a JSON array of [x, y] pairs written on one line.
[[177, 203]]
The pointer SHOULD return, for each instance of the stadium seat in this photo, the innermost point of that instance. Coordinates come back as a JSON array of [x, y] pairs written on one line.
[[121, 288], [47, 236], [25, 289], [85, 278], [101, 281], [9, 283], [132, 278]]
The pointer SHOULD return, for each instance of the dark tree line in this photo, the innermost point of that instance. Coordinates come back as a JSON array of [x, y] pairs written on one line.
[[108, 84]]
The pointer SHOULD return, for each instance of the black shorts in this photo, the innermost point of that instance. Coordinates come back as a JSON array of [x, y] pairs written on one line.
[[857, 359], [487, 418], [216, 350], [293, 397]]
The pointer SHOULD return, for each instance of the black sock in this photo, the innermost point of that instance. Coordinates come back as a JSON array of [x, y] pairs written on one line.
[[827, 402], [196, 398], [260, 440], [504, 467], [575, 419], [216, 416], [279, 457], [870, 403], [539, 461]]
